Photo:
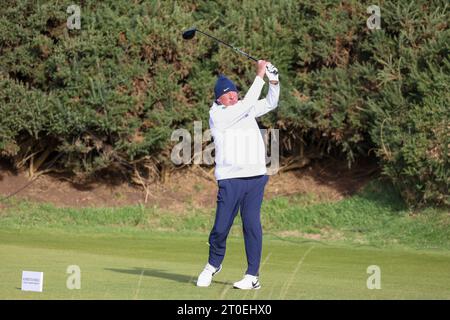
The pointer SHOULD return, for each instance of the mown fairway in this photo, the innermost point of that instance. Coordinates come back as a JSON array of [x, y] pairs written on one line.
[[145, 265]]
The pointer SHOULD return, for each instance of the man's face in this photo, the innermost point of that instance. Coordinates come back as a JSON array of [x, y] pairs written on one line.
[[228, 99]]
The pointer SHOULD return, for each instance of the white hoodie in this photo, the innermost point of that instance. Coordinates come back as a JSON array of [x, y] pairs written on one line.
[[239, 146]]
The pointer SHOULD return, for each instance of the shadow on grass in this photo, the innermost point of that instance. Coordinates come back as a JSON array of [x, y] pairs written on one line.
[[383, 193], [163, 274]]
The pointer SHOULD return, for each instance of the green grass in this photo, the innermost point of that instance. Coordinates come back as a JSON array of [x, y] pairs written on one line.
[[376, 216], [155, 265], [312, 250]]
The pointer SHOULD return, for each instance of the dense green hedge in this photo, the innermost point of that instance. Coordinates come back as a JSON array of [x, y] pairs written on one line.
[[109, 95]]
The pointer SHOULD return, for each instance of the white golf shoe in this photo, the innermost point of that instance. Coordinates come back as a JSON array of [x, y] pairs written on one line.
[[205, 277], [248, 283]]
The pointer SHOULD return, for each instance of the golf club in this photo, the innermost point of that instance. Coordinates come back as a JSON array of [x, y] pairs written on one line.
[[190, 33]]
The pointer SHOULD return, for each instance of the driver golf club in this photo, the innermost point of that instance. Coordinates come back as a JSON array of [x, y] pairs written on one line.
[[190, 33]]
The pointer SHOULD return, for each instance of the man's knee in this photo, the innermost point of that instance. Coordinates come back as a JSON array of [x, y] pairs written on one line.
[[219, 233]]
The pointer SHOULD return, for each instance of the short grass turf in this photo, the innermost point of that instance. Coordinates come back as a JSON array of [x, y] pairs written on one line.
[[153, 265]]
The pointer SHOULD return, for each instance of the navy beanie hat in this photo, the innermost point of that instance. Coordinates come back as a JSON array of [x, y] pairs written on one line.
[[224, 85]]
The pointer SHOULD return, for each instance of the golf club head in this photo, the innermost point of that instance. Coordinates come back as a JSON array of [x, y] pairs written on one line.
[[189, 33]]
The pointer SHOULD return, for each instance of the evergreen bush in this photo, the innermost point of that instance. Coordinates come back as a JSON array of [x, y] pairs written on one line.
[[109, 95]]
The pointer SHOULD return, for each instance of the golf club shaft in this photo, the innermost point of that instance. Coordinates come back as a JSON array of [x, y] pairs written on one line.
[[224, 43]]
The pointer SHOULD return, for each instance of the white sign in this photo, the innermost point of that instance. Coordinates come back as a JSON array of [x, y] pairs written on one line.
[[32, 281], [74, 280]]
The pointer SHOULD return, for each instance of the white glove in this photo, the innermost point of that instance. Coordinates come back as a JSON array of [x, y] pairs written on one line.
[[272, 73]]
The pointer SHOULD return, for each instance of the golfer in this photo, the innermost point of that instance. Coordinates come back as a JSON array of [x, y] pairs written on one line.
[[240, 170]]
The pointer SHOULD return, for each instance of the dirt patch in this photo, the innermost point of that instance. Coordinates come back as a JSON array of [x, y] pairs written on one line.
[[186, 188], [325, 234], [298, 234]]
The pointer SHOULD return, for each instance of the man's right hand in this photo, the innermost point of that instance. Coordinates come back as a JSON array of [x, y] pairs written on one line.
[[261, 65]]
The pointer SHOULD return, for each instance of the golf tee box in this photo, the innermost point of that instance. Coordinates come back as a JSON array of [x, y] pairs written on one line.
[[32, 281]]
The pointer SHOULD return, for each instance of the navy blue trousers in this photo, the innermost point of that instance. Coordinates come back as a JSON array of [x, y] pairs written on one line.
[[245, 194]]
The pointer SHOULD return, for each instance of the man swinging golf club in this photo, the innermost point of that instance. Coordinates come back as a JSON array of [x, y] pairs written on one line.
[[240, 170]]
